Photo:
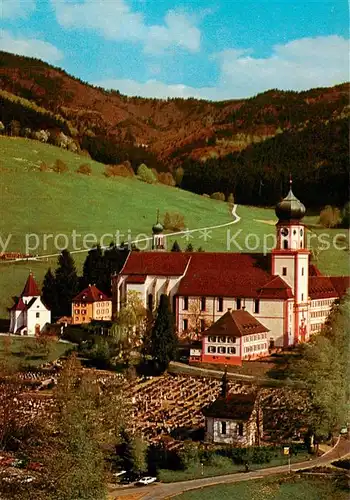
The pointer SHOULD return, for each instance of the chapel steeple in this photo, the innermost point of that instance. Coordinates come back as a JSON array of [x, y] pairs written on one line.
[[158, 238], [290, 208], [290, 229]]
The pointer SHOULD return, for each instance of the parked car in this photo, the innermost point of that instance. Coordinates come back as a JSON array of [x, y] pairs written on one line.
[[129, 478], [144, 481], [118, 474]]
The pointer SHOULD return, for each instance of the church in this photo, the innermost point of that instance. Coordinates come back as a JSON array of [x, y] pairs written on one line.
[[284, 298], [29, 315]]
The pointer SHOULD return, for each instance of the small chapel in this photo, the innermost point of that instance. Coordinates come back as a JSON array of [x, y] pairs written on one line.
[[29, 315]]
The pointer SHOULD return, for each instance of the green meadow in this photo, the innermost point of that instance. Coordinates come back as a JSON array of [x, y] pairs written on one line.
[[42, 211], [282, 488]]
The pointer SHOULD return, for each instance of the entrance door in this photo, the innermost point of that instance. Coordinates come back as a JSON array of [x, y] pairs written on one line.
[[37, 330]]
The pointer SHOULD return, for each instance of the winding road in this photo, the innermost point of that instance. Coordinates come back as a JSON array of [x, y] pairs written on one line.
[[161, 491], [236, 218]]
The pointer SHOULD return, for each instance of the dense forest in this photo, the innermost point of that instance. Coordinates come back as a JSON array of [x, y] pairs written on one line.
[[246, 146]]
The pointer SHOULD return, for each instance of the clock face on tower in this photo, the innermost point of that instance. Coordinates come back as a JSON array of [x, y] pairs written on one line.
[[284, 231]]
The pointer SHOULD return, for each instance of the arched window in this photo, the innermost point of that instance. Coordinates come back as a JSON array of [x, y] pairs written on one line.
[[285, 244]]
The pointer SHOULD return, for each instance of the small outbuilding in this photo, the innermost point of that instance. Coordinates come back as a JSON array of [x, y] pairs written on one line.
[[234, 419]]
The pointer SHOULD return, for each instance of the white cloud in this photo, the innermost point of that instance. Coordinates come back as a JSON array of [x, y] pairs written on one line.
[[178, 30], [297, 65], [30, 47], [11, 9], [115, 20], [151, 88]]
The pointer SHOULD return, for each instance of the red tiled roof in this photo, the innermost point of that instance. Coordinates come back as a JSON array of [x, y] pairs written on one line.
[[136, 278], [234, 406], [19, 305], [225, 275], [211, 274], [321, 287], [31, 288], [156, 263], [91, 294], [341, 284], [236, 323], [314, 271], [276, 288]]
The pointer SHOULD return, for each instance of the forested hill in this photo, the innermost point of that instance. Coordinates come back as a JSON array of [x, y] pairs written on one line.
[[245, 146]]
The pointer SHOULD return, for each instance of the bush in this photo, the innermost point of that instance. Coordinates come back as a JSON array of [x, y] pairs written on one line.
[[43, 167], [121, 170], [218, 196], [231, 199], [174, 221], [330, 217], [60, 167], [179, 173], [166, 178], [75, 334], [84, 169], [189, 455], [345, 221], [205, 195], [146, 175]]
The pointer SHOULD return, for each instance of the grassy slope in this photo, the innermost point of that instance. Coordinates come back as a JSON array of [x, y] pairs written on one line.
[[271, 489], [14, 350], [48, 203]]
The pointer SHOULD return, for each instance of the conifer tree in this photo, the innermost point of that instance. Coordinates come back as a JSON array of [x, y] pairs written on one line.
[[49, 292], [67, 283], [175, 247], [163, 336], [95, 270]]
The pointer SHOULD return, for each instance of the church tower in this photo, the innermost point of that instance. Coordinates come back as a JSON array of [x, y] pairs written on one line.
[[158, 238], [290, 260]]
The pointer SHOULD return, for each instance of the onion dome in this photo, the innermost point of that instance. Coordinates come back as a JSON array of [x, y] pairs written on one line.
[[290, 208], [157, 228]]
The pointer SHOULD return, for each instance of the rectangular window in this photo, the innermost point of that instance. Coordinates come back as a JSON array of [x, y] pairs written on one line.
[[223, 427], [202, 325], [284, 271], [221, 350], [240, 429], [37, 315], [302, 297], [220, 304], [239, 303], [302, 271], [231, 340], [185, 325], [231, 350], [203, 304], [185, 304], [222, 340], [211, 339], [212, 349], [256, 306]]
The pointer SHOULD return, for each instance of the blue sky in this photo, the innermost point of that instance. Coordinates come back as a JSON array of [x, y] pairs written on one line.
[[212, 49]]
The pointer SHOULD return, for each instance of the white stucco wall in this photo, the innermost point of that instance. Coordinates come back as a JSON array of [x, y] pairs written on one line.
[[37, 308]]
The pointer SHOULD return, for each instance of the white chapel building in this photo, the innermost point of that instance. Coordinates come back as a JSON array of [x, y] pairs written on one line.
[[287, 298], [29, 315]]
